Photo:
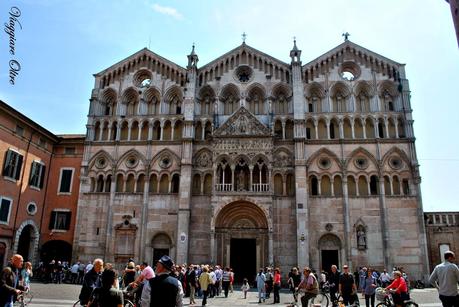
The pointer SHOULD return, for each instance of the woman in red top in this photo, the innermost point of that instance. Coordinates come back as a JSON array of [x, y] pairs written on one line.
[[400, 292], [277, 285]]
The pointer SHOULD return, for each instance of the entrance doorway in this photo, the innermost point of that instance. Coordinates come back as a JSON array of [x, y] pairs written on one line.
[[158, 253], [243, 259], [25, 247], [329, 257], [56, 250]]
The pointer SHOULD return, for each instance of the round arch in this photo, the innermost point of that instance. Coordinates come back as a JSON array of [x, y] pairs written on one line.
[[242, 238], [58, 250], [330, 251], [28, 232]]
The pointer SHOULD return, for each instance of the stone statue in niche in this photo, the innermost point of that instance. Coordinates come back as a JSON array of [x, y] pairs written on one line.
[[240, 181], [361, 238]]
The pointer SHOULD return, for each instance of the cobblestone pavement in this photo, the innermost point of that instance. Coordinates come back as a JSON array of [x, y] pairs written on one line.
[[53, 295]]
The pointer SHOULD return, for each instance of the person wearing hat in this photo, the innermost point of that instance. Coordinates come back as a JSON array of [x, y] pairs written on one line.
[[347, 287], [163, 290]]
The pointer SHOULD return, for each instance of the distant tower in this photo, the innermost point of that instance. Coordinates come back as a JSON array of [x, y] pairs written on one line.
[[454, 4]]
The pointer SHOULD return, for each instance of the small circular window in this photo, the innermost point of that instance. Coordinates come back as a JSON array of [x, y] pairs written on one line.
[[361, 163], [101, 162], [131, 161], [324, 163], [165, 162], [349, 71], [243, 73], [395, 163], [31, 208], [142, 78]]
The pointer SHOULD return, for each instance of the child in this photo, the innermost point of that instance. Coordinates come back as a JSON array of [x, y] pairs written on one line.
[[245, 287]]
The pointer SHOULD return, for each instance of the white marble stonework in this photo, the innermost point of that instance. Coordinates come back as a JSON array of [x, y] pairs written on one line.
[[248, 156]]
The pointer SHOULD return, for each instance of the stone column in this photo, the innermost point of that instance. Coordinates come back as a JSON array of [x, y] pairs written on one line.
[[384, 224], [347, 227], [270, 248], [108, 253]]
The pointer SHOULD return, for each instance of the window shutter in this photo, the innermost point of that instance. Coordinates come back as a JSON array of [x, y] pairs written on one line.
[[32, 176], [42, 176], [52, 220], [6, 162], [68, 218], [18, 167]]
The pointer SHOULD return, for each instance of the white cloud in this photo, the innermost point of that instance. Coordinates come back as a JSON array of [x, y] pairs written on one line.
[[166, 10]]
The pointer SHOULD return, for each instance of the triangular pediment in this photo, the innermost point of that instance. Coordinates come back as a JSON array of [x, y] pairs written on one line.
[[247, 50], [348, 48], [242, 124], [140, 58]]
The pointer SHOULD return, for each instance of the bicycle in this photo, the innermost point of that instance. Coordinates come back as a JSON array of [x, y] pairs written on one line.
[[385, 297], [318, 299], [23, 299]]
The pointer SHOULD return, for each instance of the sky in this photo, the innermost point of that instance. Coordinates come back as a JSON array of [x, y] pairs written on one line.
[[59, 44]]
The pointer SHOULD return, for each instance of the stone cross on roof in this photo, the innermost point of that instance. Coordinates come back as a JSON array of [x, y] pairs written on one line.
[[346, 36], [244, 36]]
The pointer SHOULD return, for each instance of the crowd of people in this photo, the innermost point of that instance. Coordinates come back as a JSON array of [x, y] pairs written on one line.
[[169, 284]]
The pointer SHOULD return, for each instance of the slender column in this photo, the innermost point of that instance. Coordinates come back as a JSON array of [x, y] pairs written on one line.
[[162, 131], [364, 126], [150, 131], [319, 183], [233, 184], [213, 250], [251, 178], [396, 128], [352, 128], [270, 248], [139, 133], [384, 223], [101, 132], [203, 128], [316, 128], [347, 230], [109, 133], [143, 227], [376, 129], [328, 128], [332, 181], [386, 126], [129, 131], [284, 185], [283, 129], [341, 129], [172, 130]]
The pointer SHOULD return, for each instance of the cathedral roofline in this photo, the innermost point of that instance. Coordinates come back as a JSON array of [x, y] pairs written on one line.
[[246, 47], [141, 52], [350, 44]]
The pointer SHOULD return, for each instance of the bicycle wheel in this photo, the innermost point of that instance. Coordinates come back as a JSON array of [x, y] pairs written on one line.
[[411, 304], [128, 303], [382, 305], [320, 299]]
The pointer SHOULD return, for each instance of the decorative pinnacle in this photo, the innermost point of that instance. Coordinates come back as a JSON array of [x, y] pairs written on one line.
[[244, 36], [192, 50], [346, 36], [295, 48]]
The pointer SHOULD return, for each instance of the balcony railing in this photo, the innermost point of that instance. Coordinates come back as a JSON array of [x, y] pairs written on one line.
[[260, 187], [228, 187], [224, 187]]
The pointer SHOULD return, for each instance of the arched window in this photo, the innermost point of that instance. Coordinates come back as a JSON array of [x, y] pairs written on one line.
[[156, 131], [256, 99], [363, 186], [140, 184], [313, 185], [337, 186], [175, 184], [290, 185], [396, 185], [198, 131], [208, 184], [374, 190], [278, 133], [130, 183], [387, 186], [164, 184], [134, 131], [108, 184], [196, 189], [278, 185], [153, 185], [370, 128], [289, 129], [100, 184], [406, 186], [178, 126], [167, 131], [119, 183], [208, 131], [351, 186], [325, 186]]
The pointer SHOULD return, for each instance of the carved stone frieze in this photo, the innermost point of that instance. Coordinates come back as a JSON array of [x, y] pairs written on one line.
[[242, 123]]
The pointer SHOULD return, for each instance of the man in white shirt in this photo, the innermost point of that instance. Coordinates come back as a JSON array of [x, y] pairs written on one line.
[[445, 277], [384, 278]]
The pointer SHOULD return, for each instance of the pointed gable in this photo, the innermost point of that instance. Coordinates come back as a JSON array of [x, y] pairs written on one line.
[[242, 124], [244, 55], [349, 51], [143, 58]]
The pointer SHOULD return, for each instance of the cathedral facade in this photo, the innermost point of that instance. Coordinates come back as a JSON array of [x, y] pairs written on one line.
[[249, 161]]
